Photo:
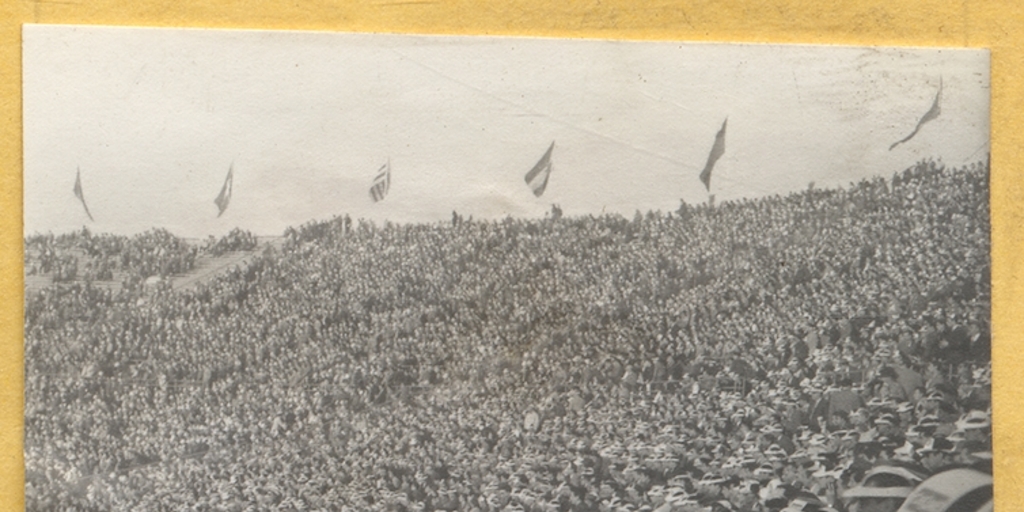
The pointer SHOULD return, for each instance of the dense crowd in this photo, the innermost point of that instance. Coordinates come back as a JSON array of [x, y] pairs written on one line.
[[236, 240], [87, 257], [817, 351], [84, 256]]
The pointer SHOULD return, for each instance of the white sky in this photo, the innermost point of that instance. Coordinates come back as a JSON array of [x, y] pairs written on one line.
[[154, 118]]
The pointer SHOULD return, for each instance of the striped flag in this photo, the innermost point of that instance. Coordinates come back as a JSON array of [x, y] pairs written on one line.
[[80, 195], [716, 152], [537, 178], [381, 183], [225, 191], [928, 116]]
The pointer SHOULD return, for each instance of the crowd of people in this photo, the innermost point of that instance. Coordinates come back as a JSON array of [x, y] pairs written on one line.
[[236, 240], [84, 256], [823, 350], [122, 261]]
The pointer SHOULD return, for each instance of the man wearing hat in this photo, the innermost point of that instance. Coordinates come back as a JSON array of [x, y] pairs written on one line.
[[937, 454], [889, 426], [764, 473], [847, 439], [936, 405], [976, 426], [905, 411], [860, 420]]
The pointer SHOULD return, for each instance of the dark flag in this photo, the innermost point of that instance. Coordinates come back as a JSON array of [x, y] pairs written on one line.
[[716, 152], [928, 116], [381, 183], [80, 195], [225, 192], [537, 178]]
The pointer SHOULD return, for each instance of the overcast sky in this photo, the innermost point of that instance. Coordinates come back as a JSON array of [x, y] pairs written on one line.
[[155, 117]]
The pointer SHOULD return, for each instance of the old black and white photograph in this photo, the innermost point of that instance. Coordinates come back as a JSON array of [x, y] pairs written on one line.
[[314, 271]]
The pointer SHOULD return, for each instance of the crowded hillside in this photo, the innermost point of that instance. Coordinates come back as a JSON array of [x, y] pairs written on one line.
[[122, 262], [807, 352]]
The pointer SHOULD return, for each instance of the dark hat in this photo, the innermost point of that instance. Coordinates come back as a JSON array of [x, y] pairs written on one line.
[[930, 420], [937, 445], [886, 419]]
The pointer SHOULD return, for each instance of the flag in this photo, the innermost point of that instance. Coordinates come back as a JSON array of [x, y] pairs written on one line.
[[80, 195], [381, 183], [928, 116], [225, 192], [537, 178], [716, 152]]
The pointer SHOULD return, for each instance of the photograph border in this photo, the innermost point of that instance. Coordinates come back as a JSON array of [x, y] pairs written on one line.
[[867, 22]]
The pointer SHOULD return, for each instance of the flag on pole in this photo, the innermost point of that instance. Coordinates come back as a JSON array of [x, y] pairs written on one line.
[[537, 178], [80, 195], [381, 183], [225, 191], [716, 152], [928, 116]]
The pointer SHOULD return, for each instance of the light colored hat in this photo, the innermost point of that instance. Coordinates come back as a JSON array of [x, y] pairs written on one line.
[[974, 420], [775, 451], [711, 479], [764, 470], [886, 419], [930, 420]]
